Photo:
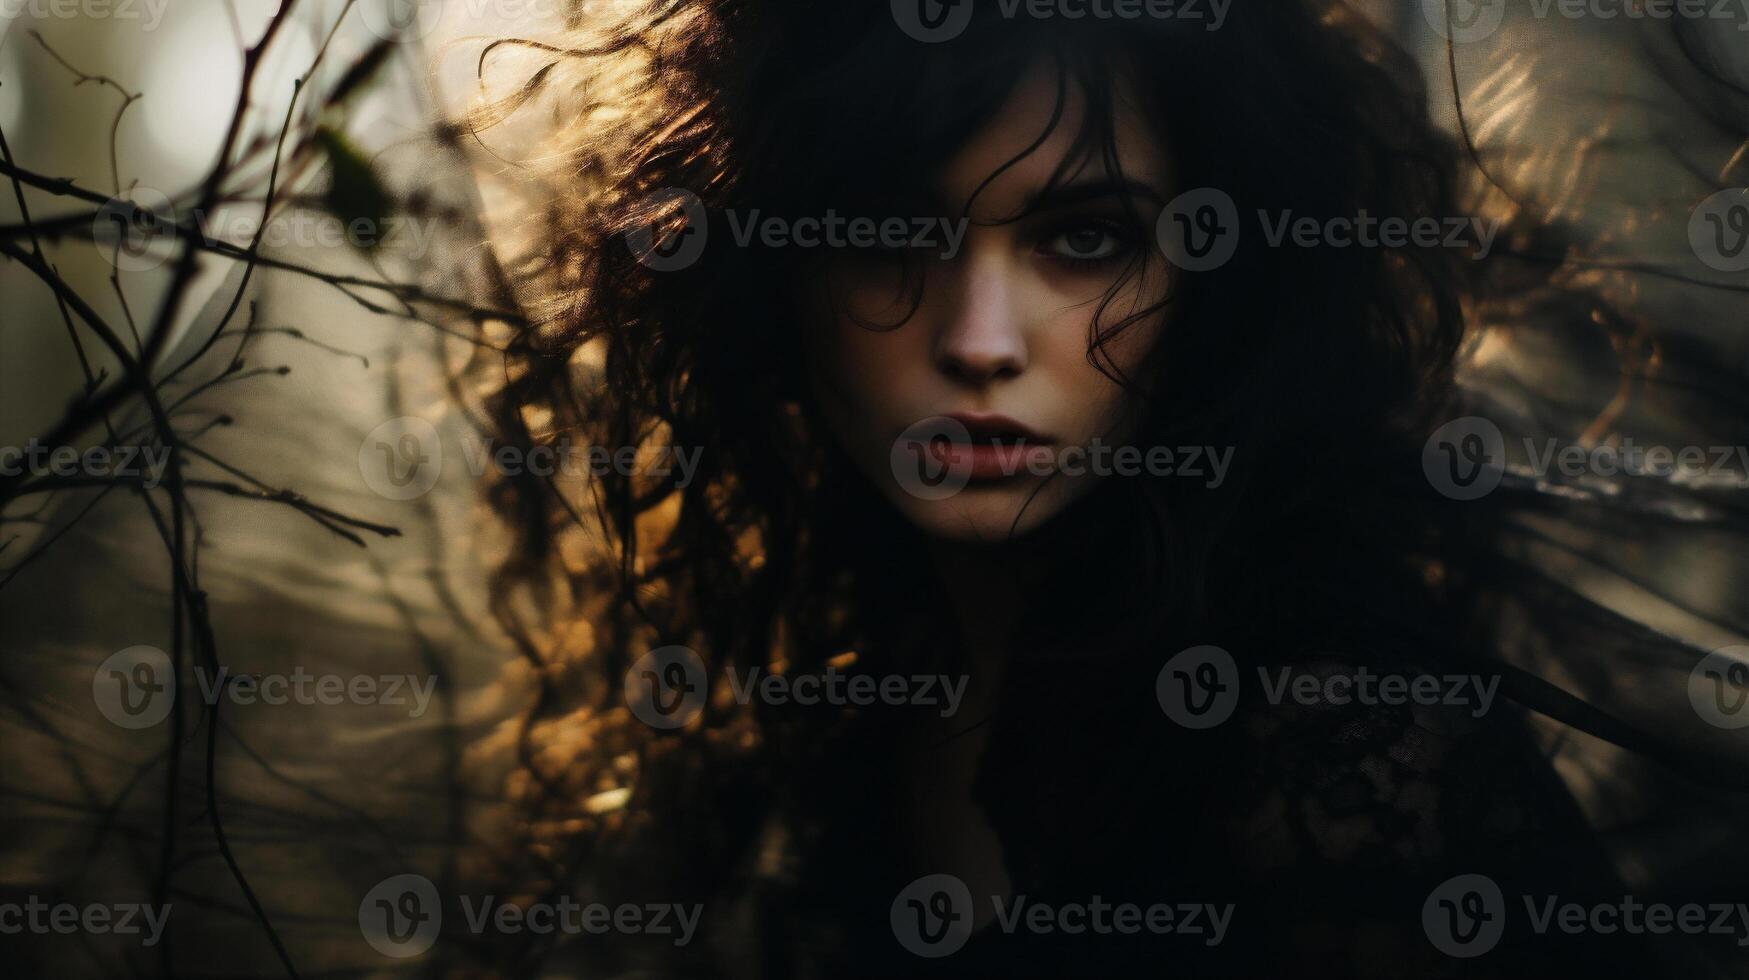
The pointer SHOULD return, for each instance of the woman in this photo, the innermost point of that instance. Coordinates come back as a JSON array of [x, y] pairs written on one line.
[[900, 478]]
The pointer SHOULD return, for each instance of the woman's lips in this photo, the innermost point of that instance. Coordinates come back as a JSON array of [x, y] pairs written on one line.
[[997, 461], [985, 426], [996, 447]]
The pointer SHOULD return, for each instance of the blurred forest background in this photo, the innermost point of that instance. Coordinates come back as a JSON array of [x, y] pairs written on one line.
[[287, 549]]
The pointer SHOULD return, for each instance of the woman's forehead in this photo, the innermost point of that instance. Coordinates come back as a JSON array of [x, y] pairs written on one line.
[[1038, 138]]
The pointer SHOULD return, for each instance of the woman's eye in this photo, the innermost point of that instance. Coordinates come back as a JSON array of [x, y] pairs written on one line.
[[1086, 243]]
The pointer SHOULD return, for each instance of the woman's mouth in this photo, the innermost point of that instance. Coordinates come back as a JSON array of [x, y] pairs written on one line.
[[988, 447]]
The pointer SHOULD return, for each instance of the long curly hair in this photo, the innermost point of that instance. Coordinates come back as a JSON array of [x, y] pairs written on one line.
[[1322, 366]]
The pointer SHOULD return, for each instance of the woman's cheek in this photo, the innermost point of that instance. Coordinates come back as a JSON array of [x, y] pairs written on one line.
[[859, 378]]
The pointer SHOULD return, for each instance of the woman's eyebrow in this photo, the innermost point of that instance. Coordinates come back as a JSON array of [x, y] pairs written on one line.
[[1094, 189]]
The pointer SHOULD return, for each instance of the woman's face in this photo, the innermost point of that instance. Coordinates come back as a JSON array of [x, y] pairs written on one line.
[[981, 416]]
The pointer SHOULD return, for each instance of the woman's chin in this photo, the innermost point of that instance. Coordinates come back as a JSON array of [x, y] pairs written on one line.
[[981, 515]]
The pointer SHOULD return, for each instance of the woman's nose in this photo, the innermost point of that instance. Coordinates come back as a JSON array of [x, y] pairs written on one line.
[[981, 337]]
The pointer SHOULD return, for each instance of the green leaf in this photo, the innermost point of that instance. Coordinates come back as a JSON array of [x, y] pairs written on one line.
[[355, 194]]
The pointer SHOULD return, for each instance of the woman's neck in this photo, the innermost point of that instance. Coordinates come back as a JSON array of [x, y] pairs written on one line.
[[986, 589]]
